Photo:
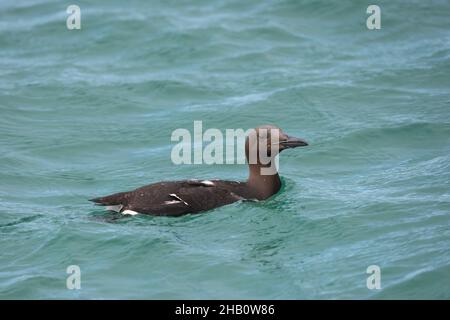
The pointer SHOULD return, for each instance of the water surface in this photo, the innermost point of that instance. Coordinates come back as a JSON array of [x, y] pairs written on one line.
[[90, 112]]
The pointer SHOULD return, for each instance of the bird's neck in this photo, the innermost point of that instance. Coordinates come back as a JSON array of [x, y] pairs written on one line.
[[263, 186]]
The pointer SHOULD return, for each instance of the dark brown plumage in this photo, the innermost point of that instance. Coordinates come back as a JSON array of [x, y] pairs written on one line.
[[175, 198]]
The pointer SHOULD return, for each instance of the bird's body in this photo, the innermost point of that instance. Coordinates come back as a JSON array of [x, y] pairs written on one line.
[[175, 198]]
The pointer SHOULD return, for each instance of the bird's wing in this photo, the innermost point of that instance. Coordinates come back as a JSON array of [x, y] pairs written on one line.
[[171, 198], [189, 198], [201, 198]]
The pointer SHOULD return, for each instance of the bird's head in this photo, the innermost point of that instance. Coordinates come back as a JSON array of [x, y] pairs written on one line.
[[265, 142]]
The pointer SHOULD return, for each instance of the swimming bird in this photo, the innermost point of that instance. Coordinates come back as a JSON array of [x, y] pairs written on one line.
[[176, 198]]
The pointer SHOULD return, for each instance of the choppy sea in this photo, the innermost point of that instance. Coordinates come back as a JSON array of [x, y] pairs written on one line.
[[90, 112]]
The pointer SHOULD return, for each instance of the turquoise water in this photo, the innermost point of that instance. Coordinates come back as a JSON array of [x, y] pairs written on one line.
[[90, 112]]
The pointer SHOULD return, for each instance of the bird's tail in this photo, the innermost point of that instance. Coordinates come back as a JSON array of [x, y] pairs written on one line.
[[111, 200]]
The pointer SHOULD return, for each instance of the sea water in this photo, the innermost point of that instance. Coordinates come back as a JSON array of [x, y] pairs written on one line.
[[88, 112]]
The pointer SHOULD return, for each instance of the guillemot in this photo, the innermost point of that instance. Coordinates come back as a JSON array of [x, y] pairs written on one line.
[[176, 198]]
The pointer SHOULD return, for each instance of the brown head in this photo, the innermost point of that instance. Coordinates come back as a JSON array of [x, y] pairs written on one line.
[[265, 142], [262, 146]]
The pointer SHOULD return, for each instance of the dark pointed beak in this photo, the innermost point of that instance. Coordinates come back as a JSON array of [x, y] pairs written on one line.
[[293, 142]]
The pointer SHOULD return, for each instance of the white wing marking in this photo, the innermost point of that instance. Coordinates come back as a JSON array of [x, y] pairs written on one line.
[[173, 195], [130, 212], [207, 183], [172, 202]]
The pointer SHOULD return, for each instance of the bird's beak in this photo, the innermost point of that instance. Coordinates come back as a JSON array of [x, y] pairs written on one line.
[[293, 142]]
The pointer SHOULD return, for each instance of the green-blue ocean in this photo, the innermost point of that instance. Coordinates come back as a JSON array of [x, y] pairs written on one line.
[[89, 112]]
